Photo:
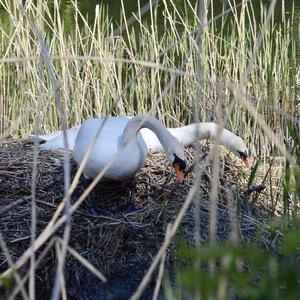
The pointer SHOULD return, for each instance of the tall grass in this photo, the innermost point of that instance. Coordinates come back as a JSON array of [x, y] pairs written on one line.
[[102, 70], [94, 66]]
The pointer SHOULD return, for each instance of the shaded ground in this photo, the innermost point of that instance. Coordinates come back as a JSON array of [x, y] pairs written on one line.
[[120, 246]]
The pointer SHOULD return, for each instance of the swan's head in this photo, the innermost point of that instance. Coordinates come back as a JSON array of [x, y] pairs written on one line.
[[175, 154], [238, 147]]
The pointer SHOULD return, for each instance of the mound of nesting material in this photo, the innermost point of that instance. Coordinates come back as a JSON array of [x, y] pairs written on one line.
[[120, 246]]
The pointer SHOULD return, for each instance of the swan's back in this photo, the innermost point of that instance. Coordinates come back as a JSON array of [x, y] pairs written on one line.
[[107, 145], [55, 140], [110, 135]]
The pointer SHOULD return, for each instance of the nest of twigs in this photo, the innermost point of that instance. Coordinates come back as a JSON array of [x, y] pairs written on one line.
[[121, 246]]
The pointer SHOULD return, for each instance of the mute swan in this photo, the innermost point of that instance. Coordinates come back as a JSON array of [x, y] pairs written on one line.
[[120, 140], [186, 135], [127, 141], [120, 146]]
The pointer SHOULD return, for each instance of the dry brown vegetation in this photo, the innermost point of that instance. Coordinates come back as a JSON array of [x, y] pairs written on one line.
[[246, 77], [119, 244]]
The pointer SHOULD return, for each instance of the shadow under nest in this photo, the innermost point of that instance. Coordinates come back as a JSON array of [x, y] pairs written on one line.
[[121, 246]]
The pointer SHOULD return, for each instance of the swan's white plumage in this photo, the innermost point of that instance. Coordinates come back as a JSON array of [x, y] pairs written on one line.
[[55, 140], [186, 135], [133, 156], [128, 160]]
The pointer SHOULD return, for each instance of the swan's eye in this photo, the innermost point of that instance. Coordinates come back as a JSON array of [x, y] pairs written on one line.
[[242, 155], [179, 162]]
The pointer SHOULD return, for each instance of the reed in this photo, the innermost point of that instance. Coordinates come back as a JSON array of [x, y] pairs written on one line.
[[249, 81], [95, 67]]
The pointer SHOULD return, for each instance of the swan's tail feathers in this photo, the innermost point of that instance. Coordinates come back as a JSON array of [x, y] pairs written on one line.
[[45, 137], [54, 141], [50, 136], [29, 135], [58, 143]]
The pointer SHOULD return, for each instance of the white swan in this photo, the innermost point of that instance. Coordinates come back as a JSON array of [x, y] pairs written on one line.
[[120, 140], [152, 136], [121, 144]]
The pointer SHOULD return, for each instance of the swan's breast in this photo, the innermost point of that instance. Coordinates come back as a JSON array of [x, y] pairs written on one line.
[[108, 147]]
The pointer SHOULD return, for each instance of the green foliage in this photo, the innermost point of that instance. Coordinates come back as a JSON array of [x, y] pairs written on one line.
[[292, 173], [291, 242], [241, 271], [246, 271], [6, 282], [252, 174]]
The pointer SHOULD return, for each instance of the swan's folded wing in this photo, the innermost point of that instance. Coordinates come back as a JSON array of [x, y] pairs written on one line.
[[55, 140], [46, 137]]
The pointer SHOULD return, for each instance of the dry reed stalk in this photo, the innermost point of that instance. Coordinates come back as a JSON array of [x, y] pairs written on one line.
[[20, 284], [172, 232], [50, 68], [161, 270], [55, 224], [16, 290]]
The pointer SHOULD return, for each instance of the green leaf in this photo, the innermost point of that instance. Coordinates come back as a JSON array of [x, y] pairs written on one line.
[[6, 282], [252, 174], [296, 138], [297, 182], [291, 242]]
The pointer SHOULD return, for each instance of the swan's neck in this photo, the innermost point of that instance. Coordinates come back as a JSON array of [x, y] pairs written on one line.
[[187, 135], [167, 140]]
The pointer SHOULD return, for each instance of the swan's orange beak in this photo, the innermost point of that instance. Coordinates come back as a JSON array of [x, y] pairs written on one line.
[[179, 173], [248, 162]]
